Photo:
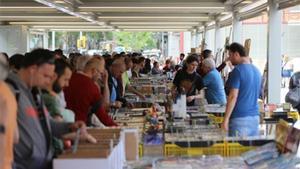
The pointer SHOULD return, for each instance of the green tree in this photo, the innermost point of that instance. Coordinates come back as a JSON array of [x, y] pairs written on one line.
[[136, 40], [72, 39], [95, 38], [108, 35]]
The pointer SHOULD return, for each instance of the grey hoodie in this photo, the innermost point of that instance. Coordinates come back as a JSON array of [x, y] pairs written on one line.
[[34, 150]]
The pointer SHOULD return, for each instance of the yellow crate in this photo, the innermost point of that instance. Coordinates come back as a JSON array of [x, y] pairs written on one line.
[[294, 115], [153, 150], [174, 150], [236, 149], [216, 119], [140, 150]]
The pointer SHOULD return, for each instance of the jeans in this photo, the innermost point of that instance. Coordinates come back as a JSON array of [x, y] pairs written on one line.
[[244, 126]]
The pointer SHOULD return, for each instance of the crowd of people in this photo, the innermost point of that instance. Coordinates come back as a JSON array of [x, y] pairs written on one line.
[[45, 96], [240, 92]]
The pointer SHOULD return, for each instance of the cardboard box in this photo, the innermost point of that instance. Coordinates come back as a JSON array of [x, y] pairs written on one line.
[[131, 144], [105, 154], [89, 159]]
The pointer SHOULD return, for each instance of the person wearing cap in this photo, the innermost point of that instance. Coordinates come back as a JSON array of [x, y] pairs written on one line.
[[242, 110], [215, 93]]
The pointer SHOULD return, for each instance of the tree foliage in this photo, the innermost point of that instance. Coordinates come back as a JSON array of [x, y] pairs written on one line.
[[137, 41]]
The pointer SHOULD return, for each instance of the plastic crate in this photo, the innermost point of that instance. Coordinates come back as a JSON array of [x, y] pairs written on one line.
[[216, 119], [175, 150], [153, 150], [140, 150], [236, 149]]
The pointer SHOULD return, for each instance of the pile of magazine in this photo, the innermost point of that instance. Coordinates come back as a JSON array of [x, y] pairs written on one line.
[[268, 157], [204, 162]]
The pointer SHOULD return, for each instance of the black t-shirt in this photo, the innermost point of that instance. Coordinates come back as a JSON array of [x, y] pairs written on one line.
[[190, 82]]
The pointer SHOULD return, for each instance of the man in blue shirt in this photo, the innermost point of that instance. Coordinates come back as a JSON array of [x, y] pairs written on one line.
[[241, 114], [215, 93]]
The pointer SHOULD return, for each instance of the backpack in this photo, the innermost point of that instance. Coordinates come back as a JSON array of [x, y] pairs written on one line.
[[293, 95]]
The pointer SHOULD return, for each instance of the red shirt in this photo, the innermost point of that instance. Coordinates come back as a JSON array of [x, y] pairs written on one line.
[[81, 94]]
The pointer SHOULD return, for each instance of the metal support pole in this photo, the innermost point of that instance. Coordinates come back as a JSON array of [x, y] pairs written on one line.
[[274, 53], [237, 29], [53, 40]]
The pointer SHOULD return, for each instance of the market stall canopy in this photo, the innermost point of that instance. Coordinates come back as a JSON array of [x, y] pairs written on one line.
[[124, 15]]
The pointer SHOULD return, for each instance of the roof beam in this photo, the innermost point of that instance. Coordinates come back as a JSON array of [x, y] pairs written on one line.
[[151, 5], [68, 27], [24, 6], [131, 14], [154, 23], [138, 6], [111, 23], [51, 23], [37, 16], [71, 12], [78, 30], [103, 27], [156, 27], [155, 30]]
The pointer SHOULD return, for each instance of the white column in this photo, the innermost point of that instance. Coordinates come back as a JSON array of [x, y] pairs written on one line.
[[53, 40], [13, 39], [165, 44], [197, 39], [187, 39], [274, 53], [45, 39], [28, 41], [162, 44], [217, 39], [173, 44], [193, 40], [80, 34], [237, 29], [206, 36], [200, 37]]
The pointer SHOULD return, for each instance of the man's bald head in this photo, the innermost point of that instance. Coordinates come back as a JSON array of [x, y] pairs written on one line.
[[95, 63], [95, 67]]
